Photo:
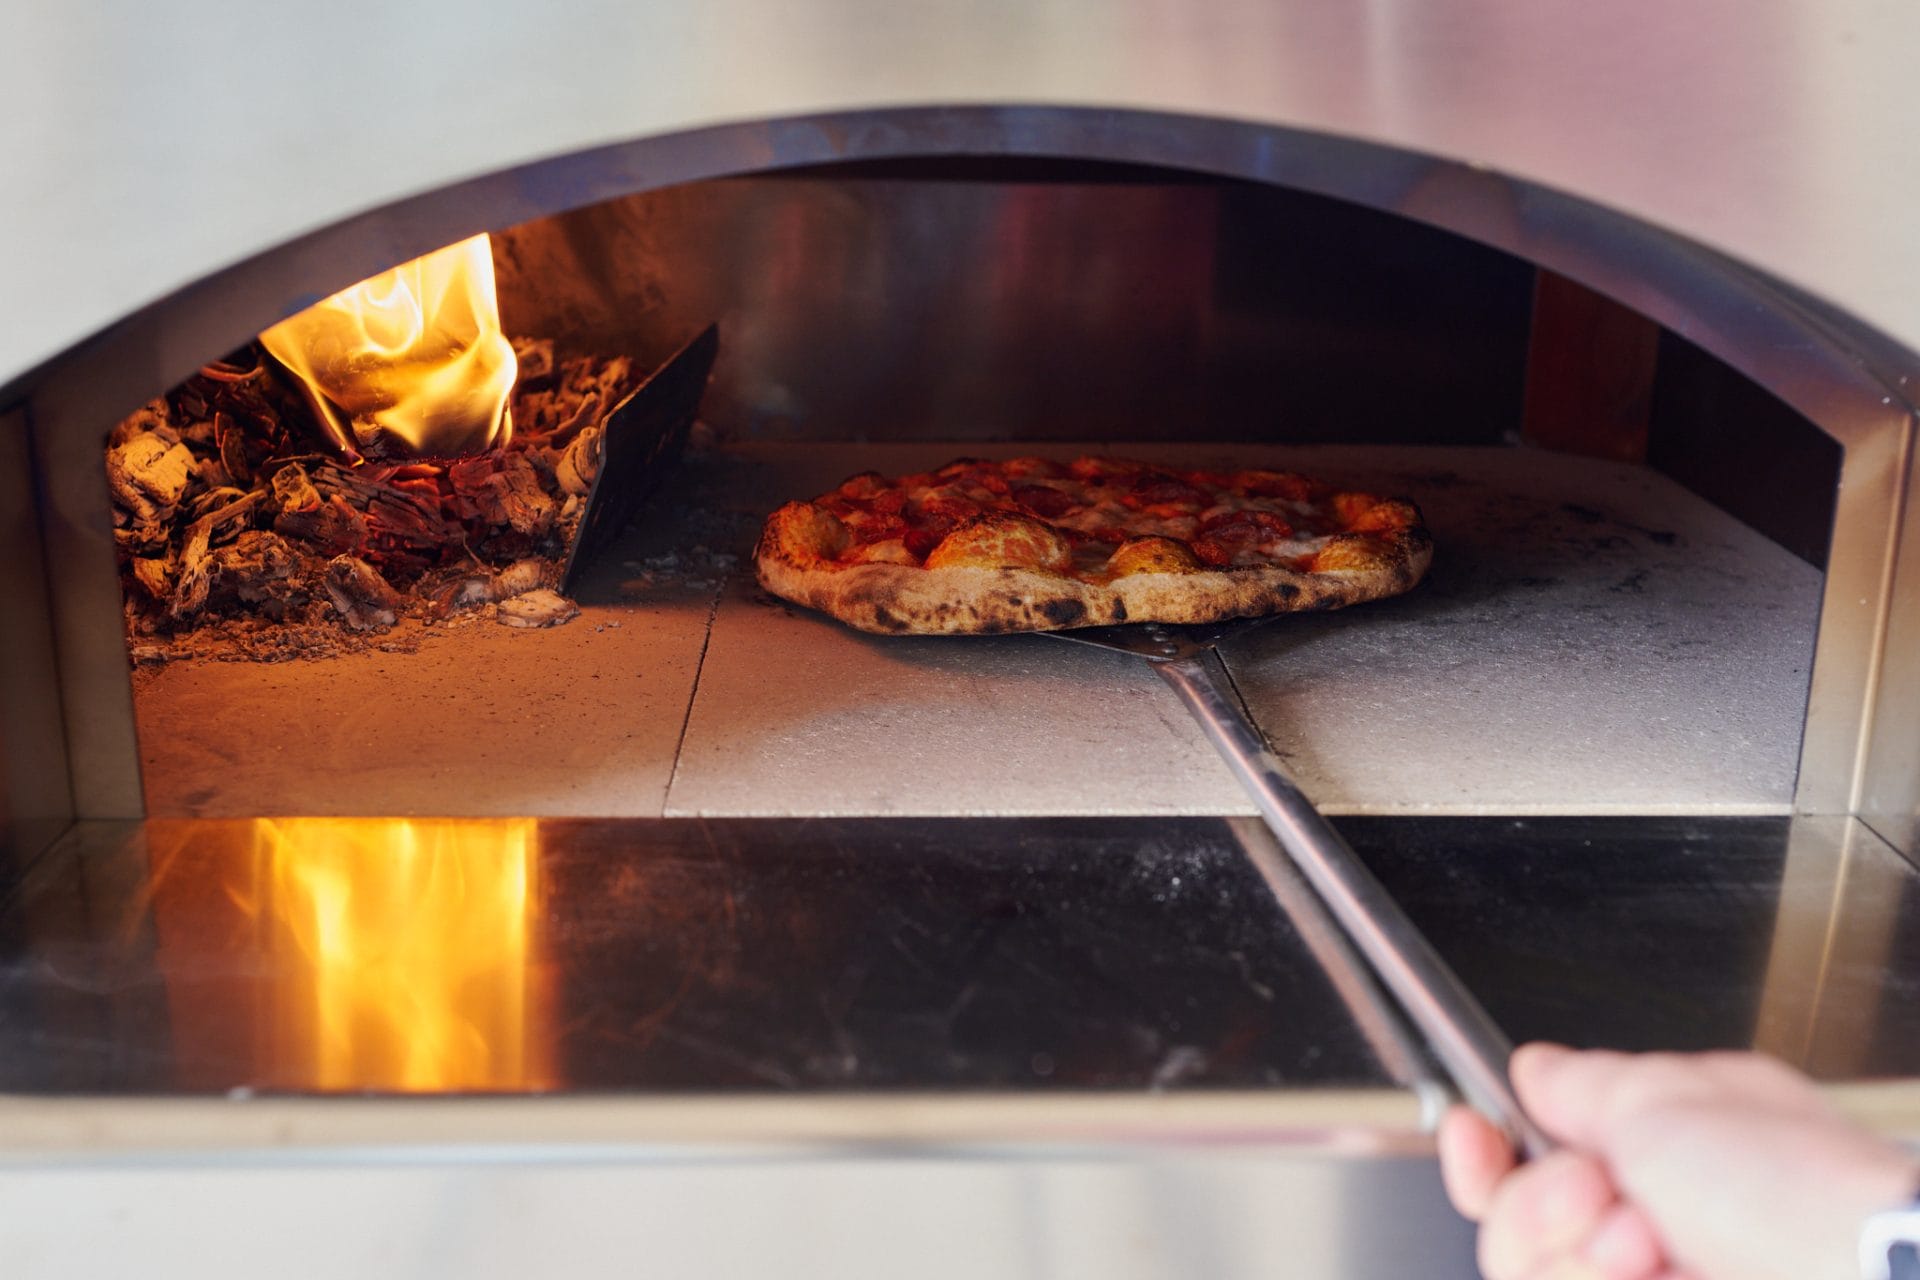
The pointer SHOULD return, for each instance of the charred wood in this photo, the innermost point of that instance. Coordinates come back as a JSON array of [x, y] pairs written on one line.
[[243, 533], [361, 596]]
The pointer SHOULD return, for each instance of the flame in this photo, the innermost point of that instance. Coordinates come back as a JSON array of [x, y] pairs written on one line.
[[406, 951], [415, 354]]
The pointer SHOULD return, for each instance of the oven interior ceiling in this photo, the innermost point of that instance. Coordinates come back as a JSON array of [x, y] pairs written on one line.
[[1630, 633]]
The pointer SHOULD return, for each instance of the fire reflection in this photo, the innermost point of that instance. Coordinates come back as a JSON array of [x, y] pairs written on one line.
[[402, 954]]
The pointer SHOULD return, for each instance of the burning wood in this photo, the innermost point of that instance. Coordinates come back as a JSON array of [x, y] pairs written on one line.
[[243, 533], [410, 361]]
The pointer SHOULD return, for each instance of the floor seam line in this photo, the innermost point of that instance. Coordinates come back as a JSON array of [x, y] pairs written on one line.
[[693, 697]]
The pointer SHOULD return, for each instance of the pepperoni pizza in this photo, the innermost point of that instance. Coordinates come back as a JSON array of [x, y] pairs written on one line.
[[1028, 544]]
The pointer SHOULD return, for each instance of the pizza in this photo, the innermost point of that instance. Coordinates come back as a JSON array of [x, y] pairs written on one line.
[[1028, 544]]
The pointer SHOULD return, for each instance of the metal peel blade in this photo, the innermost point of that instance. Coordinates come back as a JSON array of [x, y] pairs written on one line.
[[644, 434], [1465, 1040]]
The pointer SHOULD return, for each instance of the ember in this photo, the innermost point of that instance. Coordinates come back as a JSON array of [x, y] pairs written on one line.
[[243, 533]]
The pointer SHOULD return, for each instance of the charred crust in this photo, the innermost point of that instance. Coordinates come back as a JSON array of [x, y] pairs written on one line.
[[795, 558], [1063, 612]]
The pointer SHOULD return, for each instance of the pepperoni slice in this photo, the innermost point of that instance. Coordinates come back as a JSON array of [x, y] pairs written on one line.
[[1277, 484], [1262, 526], [941, 512], [1044, 501], [962, 469], [1225, 536], [1214, 552], [1157, 488], [1033, 469], [993, 482], [864, 485], [1087, 467], [877, 527]]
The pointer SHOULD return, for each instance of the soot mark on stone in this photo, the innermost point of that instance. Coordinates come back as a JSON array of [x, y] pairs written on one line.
[[1587, 515]]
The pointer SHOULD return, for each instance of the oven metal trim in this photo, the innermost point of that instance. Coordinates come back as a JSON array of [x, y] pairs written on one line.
[[36, 804]]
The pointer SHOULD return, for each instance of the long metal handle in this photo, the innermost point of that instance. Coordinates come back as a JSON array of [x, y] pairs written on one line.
[[1467, 1042]]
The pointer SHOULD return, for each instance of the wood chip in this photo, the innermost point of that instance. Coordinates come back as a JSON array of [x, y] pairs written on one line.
[[293, 491], [153, 578], [526, 506], [256, 568], [581, 462], [334, 528], [521, 577], [233, 449], [360, 595], [195, 579], [538, 608], [148, 476], [460, 595]]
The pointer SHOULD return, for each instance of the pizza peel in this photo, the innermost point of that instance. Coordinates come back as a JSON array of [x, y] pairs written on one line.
[[1465, 1040], [643, 436]]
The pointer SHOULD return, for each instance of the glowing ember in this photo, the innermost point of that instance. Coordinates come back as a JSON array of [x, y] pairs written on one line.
[[414, 355], [416, 941]]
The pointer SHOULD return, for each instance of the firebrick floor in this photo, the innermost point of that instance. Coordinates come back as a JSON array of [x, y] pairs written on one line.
[[1592, 639]]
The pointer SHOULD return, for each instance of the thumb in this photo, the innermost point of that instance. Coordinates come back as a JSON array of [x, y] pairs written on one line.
[[1568, 1093]]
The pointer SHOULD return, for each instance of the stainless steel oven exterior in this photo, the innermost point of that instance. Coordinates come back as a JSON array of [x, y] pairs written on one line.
[[1735, 175], [180, 176]]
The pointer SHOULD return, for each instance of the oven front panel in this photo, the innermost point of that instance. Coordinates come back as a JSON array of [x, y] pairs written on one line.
[[1778, 137]]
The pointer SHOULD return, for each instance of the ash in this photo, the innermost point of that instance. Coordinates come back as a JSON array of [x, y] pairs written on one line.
[[243, 536]]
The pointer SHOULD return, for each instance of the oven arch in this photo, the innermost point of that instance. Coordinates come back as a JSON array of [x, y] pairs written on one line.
[[1838, 373]]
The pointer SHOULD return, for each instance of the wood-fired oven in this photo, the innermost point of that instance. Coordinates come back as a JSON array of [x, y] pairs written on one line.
[[701, 931]]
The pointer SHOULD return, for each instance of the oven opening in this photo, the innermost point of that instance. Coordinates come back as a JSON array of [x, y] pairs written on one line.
[[675, 834], [326, 616]]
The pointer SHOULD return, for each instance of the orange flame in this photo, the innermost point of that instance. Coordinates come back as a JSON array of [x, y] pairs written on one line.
[[415, 353], [415, 936]]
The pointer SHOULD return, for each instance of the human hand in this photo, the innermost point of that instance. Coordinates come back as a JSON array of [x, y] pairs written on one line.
[[1715, 1166]]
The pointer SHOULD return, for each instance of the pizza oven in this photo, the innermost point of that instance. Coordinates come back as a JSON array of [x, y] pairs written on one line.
[[698, 900]]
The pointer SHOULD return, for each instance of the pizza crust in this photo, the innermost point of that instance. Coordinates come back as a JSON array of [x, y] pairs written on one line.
[[797, 559]]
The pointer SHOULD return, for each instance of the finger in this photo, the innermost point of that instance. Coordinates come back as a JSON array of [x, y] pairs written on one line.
[[1474, 1156], [1624, 1246], [1547, 1209], [1764, 1079], [1573, 1095]]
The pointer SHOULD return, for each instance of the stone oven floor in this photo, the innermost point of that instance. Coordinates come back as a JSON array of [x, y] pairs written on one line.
[[1592, 639]]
